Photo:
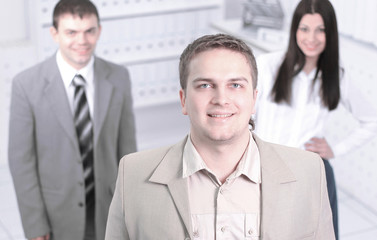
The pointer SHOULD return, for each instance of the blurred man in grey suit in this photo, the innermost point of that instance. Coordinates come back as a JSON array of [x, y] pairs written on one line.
[[71, 121], [221, 181]]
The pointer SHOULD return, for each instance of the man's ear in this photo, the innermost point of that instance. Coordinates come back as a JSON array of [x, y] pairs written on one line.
[[255, 97], [54, 34], [182, 96], [99, 30]]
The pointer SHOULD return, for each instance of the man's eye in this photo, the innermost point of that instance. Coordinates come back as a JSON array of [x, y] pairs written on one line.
[[204, 85], [236, 85], [91, 31]]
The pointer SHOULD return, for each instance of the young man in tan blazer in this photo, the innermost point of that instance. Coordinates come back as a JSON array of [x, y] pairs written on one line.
[[63, 185], [221, 181]]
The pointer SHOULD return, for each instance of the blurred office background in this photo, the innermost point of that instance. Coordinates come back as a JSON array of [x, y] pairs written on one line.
[[148, 36]]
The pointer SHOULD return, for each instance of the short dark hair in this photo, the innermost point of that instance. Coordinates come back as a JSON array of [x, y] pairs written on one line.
[[79, 8], [217, 41], [209, 42]]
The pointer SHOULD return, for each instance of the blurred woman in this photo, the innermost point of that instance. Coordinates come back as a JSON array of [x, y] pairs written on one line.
[[298, 89]]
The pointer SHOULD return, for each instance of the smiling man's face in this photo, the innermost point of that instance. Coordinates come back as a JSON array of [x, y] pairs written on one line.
[[77, 38], [219, 98]]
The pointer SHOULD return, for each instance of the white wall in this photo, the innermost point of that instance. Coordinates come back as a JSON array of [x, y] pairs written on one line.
[[13, 21], [16, 53]]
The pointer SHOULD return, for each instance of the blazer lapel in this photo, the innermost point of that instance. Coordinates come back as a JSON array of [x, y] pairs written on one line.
[[103, 93], [169, 172], [57, 98], [274, 173]]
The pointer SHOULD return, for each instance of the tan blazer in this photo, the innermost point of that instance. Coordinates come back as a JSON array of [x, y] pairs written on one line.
[[44, 156], [151, 197]]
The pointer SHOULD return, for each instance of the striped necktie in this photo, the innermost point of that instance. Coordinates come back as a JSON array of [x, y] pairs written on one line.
[[84, 130]]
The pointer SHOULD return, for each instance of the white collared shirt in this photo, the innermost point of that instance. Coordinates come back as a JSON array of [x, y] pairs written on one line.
[[294, 125], [67, 73], [224, 211]]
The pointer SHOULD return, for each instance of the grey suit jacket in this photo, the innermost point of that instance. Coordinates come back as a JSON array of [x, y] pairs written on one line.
[[151, 197], [44, 156]]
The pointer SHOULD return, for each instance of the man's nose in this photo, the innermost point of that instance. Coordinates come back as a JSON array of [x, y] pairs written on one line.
[[81, 38], [220, 96]]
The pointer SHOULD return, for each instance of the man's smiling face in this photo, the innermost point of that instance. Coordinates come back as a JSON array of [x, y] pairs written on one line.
[[219, 98]]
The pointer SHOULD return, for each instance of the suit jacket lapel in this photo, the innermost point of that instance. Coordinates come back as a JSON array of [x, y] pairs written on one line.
[[102, 96], [57, 98], [274, 173], [169, 172]]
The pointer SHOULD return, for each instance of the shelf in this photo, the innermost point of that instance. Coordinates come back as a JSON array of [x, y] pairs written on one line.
[[124, 11], [134, 59], [264, 39], [156, 102], [149, 58], [157, 9]]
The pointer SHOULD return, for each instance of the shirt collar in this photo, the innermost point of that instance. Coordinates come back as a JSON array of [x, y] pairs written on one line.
[[67, 72], [309, 76], [192, 161], [248, 166]]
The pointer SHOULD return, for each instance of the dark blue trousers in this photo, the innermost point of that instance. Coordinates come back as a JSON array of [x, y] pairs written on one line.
[[331, 189]]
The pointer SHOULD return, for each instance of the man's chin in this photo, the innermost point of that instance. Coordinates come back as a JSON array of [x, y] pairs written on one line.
[[82, 61], [221, 138]]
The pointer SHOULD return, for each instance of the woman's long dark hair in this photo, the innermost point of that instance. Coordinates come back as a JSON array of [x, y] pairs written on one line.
[[328, 62]]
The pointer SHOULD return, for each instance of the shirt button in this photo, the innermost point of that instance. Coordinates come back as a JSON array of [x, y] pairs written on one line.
[[81, 204], [195, 234], [223, 229], [250, 231], [81, 183]]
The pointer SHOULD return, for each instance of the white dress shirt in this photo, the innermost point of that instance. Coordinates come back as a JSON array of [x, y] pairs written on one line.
[[224, 211], [296, 124], [67, 73]]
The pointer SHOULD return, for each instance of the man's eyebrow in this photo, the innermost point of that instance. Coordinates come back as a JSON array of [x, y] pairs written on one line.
[[237, 79], [75, 30], [209, 80], [199, 79], [90, 29]]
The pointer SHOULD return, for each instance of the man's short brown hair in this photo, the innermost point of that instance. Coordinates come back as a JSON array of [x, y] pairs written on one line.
[[209, 42], [79, 8]]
